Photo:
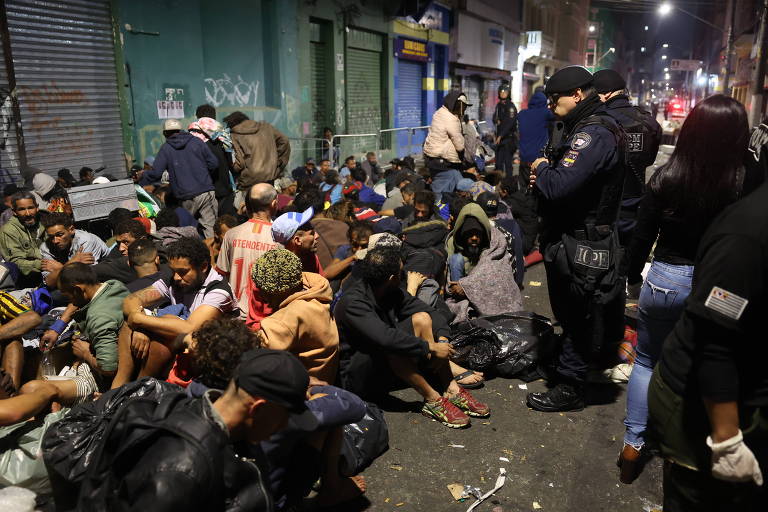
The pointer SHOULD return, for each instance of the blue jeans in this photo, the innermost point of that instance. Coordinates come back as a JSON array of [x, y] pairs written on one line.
[[662, 299], [444, 181], [456, 266]]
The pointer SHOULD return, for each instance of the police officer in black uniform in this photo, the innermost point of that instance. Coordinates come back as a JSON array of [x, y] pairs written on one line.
[[505, 120], [579, 184], [643, 139]]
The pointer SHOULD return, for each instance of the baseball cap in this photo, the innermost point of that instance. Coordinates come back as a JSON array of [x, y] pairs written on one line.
[[489, 202], [310, 161], [171, 124], [286, 225], [464, 185], [277, 376], [150, 160], [463, 98]]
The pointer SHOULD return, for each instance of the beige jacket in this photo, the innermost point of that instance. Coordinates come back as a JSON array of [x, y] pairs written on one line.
[[303, 325], [445, 138]]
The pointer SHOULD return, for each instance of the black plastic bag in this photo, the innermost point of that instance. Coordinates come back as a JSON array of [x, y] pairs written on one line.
[[477, 348], [363, 442], [69, 445], [513, 345]]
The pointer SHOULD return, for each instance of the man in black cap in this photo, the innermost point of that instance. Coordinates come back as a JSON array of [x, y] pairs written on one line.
[[579, 184], [505, 121], [199, 453], [643, 139]]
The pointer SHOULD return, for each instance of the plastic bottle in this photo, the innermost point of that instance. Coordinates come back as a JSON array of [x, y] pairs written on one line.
[[46, 364]]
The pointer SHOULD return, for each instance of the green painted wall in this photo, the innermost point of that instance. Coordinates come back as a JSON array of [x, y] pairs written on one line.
[[234, 54]]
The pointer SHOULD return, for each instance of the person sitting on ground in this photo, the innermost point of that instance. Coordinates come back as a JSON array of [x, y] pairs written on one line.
[[307, 172], [199, 294], [331, 187], [86, 177], [7, 214], [405, 210], [35, 398], [168, 229], [223, 224], [65, 244], [366, 195], [371, 167], [332, 233], [394, 195], [489, 202], [244, 244], [205, 458], [15, 320], [98, 316], [383, 329], [301, 321], [21, 238], [346, 255], [144, 260], [424, 209], [116, 265], [523, 208], [295, 232], [481, 278], [286, 192]]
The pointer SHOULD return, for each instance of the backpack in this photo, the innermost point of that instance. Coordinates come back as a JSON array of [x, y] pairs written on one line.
[[643, 140]]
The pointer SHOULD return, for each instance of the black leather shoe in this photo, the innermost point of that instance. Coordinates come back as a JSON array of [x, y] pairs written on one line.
[[563, 397]]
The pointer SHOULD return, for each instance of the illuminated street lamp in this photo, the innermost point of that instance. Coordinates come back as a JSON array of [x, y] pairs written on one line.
[[592, 28], [665, 9], [666, 69], [663, 57], [666, 76], [665, 45], [642, 49]]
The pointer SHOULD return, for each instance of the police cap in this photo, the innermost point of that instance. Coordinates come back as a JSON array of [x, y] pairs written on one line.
[[568, 79], [608, 80]]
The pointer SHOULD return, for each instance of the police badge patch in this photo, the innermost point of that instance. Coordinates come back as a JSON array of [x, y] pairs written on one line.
[[570, 158], [581, 140]]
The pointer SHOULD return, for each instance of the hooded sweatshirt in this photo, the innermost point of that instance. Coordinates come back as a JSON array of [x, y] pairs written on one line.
[[188, 161], [533, 123], [21, 246], [100, 321], [303, 326], [261, 152], [445, 138]]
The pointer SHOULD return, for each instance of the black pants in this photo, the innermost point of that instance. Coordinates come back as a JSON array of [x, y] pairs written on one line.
[[586, 328], [686, 490], [505, 153]]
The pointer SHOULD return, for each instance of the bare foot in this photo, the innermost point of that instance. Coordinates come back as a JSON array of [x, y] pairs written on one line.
[[474, 378], [346, 490]]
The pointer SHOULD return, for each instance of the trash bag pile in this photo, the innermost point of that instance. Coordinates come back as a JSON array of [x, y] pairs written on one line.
[[363, 442], [513, 345]]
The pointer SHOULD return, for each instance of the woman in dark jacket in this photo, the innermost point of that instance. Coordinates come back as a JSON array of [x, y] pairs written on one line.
[[683, 197]]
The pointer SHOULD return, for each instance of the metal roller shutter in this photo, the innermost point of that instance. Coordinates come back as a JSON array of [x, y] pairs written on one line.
[[318, 63], [491, 97], [64, 61], [9, 149], [472, 90], [409, 108], [364, 91]]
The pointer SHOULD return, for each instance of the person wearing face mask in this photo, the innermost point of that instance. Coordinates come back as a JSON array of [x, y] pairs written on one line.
[[579, 185]]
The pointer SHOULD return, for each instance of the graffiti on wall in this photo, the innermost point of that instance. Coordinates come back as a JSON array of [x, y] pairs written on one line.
[[227, 91], [42, 122]]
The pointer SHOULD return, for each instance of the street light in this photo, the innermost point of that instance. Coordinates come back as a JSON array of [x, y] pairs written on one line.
[[663, 57], [646, 28], [592, 28], [666, 76], [665, 45], [665, 9], [609, 50], [642, 49], [666, 69]]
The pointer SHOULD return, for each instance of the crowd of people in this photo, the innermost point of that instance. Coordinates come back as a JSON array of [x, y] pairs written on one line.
[[247, 312]]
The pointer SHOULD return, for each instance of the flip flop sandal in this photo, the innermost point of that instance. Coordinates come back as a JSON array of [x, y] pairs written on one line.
[[468, 373]]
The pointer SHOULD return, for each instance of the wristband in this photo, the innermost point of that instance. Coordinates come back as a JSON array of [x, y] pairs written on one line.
[[59, 326]]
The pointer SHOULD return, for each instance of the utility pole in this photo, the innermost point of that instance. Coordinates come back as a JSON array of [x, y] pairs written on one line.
[[758, 73], [729, 50]]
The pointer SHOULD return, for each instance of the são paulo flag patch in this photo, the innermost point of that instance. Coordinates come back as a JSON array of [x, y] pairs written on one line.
[[726, 303]]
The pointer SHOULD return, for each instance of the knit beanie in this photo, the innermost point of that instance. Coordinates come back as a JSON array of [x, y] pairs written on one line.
[[277, 271]]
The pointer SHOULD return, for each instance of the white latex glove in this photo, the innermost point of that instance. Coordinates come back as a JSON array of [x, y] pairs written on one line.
[[733, 461], [633, 290]]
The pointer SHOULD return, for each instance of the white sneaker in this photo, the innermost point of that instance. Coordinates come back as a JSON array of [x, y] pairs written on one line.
[[619, 373]]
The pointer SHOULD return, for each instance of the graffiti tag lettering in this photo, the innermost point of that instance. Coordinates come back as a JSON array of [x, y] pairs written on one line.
[[226, 91]]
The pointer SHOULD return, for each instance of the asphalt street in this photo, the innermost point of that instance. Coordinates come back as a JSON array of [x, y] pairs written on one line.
[[555, 462]]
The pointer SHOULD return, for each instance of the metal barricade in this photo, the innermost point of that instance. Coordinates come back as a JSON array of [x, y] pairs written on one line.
[[303, 148], [353, 144], [406, 141]]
